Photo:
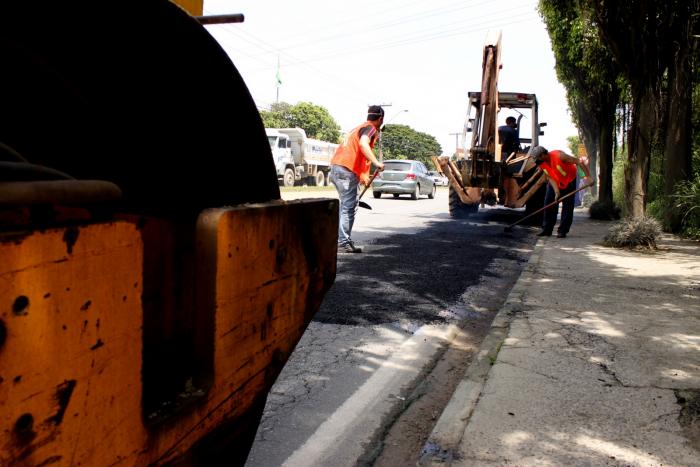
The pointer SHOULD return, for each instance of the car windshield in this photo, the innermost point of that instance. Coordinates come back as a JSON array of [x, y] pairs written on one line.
[[433, 173], [273, 141], [398, 166]]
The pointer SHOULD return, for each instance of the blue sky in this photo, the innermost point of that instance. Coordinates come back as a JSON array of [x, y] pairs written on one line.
[[419, 56]]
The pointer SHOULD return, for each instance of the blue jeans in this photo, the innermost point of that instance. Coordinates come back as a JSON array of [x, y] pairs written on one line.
[[346, 183], [567, 209]]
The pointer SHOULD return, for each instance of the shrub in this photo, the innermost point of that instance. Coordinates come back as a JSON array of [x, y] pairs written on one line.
[[637, 232], [604, 211], [686, 199]]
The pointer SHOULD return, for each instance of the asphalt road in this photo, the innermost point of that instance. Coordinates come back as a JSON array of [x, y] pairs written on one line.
[[423, 282]]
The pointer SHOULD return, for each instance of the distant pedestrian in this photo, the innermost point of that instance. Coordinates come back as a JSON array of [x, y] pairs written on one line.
[[561, 169], [350, 167]]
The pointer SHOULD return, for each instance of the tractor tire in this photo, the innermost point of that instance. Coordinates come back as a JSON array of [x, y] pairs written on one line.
[[320, 178], [288, 179], [459, 210]]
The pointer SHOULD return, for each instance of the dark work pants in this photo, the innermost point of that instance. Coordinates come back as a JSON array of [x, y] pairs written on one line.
[[567, 209]]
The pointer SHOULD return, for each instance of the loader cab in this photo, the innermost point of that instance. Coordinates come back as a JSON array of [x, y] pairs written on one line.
[[521, 106]]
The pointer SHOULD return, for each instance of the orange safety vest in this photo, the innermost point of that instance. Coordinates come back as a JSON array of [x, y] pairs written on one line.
[[561, 172], [349, 154]]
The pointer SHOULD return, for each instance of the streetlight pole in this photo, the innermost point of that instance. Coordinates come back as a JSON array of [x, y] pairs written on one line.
[[395, 115]]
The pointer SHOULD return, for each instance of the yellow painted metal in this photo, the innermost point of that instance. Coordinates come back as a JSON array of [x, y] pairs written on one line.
[[71, 364], [468, 195], [193, 7]]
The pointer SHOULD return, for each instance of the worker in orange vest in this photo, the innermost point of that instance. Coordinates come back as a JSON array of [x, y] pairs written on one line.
[[560, 169], [350, 166]]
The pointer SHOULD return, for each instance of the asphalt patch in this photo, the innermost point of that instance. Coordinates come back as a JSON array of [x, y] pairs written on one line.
[[415, 276]]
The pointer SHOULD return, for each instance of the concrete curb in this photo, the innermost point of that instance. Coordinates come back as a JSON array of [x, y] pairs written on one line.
[[353, 428], [444, 440]]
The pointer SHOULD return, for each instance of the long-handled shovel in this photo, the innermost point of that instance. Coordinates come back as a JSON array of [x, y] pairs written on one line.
[[509, 228], [362, 204]]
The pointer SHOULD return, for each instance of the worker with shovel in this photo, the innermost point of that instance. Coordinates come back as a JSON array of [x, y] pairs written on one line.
[[350, 166], [560, 169]]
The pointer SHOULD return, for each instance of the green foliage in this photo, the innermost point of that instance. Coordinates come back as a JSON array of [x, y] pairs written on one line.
[[584, 65], [573, 141], [695, 118], [686, 198], [403, 142], [315, 120], [277, 117], [634, 233]]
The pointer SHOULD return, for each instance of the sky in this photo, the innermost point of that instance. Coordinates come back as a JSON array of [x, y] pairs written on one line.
[[420, 57]]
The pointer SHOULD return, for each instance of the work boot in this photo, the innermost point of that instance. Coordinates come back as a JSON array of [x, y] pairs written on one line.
[[349, 248], [561, 235], [545, 233]]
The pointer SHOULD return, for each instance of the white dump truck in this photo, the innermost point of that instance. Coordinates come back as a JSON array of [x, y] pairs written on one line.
[[299, 159]]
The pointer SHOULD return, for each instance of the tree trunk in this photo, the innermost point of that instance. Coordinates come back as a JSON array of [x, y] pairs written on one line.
[[678, 139], [590, 133], [607, 128], [640, 141]]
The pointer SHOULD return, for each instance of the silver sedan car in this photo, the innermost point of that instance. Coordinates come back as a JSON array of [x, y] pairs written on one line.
[[404, 177]]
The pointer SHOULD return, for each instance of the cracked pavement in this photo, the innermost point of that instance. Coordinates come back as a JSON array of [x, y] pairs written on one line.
[[388, 317], [597, 363]]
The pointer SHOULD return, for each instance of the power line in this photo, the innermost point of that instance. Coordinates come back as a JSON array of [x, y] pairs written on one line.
[[269, 48], [414, 40], [383, 25]]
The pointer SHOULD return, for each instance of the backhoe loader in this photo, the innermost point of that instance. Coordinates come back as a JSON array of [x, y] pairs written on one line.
[[483, 173]]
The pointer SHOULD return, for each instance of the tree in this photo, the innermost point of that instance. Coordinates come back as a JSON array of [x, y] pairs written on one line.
[[315, 120], [652, 43], [403, 142], [277, 117], [588, 72]]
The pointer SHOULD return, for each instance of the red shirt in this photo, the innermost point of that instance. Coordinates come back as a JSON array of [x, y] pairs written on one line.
[[562, 172]]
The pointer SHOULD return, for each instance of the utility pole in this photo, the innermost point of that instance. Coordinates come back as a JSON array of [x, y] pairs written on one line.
[[278, 80], [456, 135]]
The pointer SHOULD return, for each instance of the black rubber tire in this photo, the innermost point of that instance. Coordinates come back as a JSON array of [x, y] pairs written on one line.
[[320, 178], [117, 100], [416, 193], [288, 178], [377, 194], [458, 209], [431, 195]]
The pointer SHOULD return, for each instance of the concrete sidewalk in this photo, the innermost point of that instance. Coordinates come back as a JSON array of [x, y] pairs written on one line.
[[594, 360]]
